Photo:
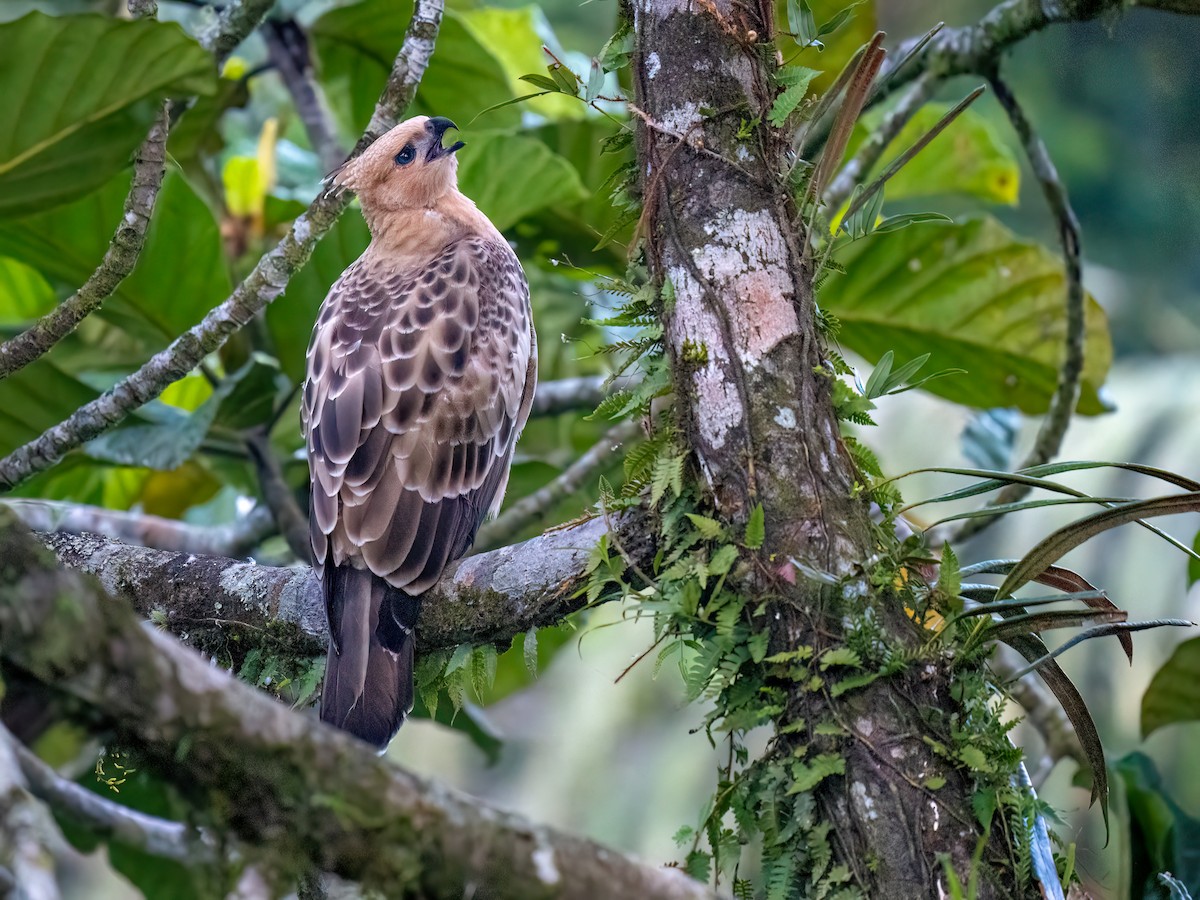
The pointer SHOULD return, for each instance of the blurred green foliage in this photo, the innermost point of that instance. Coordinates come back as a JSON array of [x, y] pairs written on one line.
[[973, 294]]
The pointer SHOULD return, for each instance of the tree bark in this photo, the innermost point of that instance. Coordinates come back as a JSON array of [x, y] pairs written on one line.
[[486, 598], [724, 233], [281, 781]]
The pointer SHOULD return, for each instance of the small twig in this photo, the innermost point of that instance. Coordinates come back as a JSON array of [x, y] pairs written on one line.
[[532, 508], [109, 820], [311, 887], [267, 281], [877, 142], [277, 494], [1062, 405], [287, 45], [568, 395], [143, 9], [238, 538]]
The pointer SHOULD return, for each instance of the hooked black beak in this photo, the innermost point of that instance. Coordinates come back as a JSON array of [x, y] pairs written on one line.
[[438, 126]]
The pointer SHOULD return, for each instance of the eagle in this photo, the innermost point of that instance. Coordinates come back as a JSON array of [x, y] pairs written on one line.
[[421, 372]]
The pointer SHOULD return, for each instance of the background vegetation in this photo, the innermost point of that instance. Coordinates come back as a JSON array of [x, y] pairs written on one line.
[[578, 746]]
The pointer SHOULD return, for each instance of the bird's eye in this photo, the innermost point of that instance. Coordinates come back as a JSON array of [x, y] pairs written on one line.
[[407, 155]]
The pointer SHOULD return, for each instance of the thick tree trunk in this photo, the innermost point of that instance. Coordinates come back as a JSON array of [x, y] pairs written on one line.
[[724, 234]]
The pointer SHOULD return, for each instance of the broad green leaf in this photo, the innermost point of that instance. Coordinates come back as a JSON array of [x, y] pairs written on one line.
[[24, 294], [250, 395], [163, 446], [356, 45], [516, 37], [290, 318], [967, 158], [1174, 692], [573, 229], [79, 94], [153, 876], [1193, 571], [198, 130], [975, 297], [179, 277], [1162, 837], [36, 398], [496, 170], [243, 399]]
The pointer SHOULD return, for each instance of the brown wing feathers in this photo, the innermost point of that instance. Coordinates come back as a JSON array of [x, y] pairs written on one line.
[[419, 382]]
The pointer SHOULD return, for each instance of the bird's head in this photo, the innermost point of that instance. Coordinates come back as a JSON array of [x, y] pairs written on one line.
[[408, 168]]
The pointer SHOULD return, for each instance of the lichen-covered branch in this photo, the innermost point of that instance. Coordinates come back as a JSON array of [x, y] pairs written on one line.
[[106, 819], [236, 539], [267, 281], [1066, 394], [486, 598], [532, 508], [235, 22], [977, 48], [306, 793], [233, 25], [120, 258]]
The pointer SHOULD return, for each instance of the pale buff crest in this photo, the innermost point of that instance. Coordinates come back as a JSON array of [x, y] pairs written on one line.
[[421, 373]]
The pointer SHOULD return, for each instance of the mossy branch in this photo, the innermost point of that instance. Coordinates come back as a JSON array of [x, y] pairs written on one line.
[[487, 598], [305, 792]]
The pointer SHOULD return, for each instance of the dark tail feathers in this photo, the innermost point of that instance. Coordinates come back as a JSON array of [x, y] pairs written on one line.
[[369, 674]]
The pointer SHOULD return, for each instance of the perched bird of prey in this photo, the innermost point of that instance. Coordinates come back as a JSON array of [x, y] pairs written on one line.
[[421, 372]]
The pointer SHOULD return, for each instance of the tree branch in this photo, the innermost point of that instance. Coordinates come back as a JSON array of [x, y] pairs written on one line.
[[568, 395], [1066, 394], [306, 792], [267, 281], [233, 25], [106, 819], [534, 507], [236, 539], [287, 45], [977, 48], [486, 598], [277, 493], [26, 867]]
